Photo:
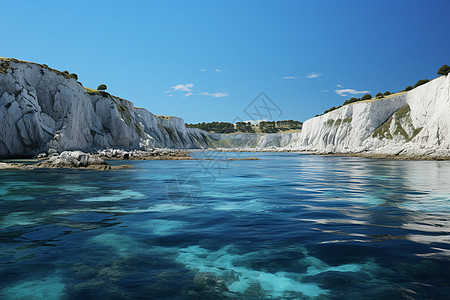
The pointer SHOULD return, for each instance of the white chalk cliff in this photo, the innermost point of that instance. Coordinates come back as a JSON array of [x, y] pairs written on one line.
[[413, 123], [42, 109]]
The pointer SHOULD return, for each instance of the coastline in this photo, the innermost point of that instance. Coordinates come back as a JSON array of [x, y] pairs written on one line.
[[427, 157], [98, 161]]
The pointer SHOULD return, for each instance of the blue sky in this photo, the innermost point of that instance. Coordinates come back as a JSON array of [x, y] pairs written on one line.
[[207, 60]]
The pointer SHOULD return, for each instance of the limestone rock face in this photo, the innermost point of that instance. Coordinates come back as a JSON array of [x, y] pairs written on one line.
[[42, 109], [244, 141], [414, 123], [76, 159]]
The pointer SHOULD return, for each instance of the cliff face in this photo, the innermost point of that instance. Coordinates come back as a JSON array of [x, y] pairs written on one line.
[[247, 141], [41, 108], [414, 123]]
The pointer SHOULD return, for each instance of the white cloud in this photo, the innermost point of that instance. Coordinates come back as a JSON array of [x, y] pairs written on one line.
[[187, 88], [313, 75], [217, 70], [290, 77], [183, 87], [338, 85], [215, 95], [219, 95], [345, 92], [203, 70]]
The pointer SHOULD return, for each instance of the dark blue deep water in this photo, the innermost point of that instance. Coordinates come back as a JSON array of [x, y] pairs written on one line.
[[287, 226]]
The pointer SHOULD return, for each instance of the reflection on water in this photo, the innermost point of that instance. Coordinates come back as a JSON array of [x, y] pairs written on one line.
[[287, 226]]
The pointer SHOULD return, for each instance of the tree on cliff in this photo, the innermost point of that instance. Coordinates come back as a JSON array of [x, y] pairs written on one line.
[[444, 70], [420, 82], [366, 97], [102, 87]]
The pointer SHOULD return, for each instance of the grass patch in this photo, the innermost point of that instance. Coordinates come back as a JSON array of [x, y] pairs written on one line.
[[383, 131], [125, 113], [163, 117], [173, 137], [91, 91], [4, 66], [329, 122], [139, 130], [413, 135], [7, 60], [401, 116], [385, 97], [172, 134], [347, 120]]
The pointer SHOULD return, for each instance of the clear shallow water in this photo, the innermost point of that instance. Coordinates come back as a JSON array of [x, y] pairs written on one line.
[[287, 226]]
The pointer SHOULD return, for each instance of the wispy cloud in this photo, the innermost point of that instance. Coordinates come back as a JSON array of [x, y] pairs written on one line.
[[325, 91], [338, 85], [186, 90], [215, 95], [345, 92], [183, 87], [290, 77], [218, 70], [203, 70], [313, 75]]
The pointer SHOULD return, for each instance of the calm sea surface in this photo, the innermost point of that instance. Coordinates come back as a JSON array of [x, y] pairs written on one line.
[[287, 226]]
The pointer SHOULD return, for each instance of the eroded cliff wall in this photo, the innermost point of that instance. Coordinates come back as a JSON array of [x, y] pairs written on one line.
[[42, 108], [413, 123]]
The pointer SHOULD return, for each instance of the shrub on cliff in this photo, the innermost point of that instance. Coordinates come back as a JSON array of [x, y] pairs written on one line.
[[387, 93], [330, 109], [102, 87], [408, 88], [420, 82], [351, 100], [366, 97], [444, 70], [379, 95]]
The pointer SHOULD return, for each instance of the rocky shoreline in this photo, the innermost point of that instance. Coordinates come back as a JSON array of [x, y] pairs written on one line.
[[400, 155], [388, 156], [65, 160], [155, 154], [94, 161], [98, 160]]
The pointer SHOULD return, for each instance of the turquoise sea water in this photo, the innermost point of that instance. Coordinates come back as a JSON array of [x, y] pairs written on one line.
[[287, 226]]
